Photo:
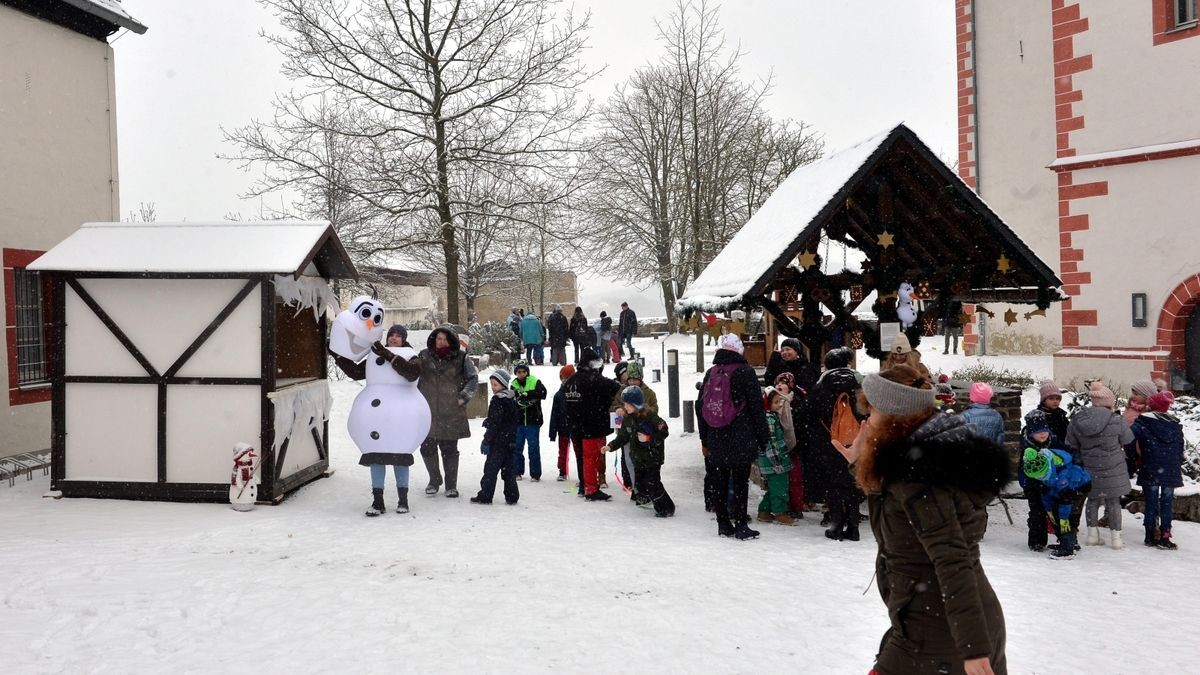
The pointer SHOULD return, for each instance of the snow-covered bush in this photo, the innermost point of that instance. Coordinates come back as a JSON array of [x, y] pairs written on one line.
[[1003, 377], [487, 338]]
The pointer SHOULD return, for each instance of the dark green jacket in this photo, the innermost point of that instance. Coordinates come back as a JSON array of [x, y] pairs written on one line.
[[646, 454], [928, 520]]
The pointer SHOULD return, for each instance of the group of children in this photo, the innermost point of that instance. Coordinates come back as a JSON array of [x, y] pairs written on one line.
[[514, 421], [1076, 465]]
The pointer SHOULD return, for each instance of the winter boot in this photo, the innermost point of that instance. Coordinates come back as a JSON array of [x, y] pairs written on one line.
[[432, 488], [1065, 548], [598, 496], [1117, 543], [377, 506], [562, 477], [850, 533], [782, 519], [725, 528], [825, 519], [764, 517], [452, 493], [1165, 542], [480, 499], [402, 504], [1152, 536], [1093, 537], [743, 532]]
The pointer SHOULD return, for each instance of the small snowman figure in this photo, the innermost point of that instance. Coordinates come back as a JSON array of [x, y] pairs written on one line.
[[243, 483], [357, 328], [904, 306]]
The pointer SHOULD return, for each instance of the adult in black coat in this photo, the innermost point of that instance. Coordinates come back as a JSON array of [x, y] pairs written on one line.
[[790, 358], [626, 328], [557, 328], [734, 447], [586, 400], [827, 474], [578, 332]]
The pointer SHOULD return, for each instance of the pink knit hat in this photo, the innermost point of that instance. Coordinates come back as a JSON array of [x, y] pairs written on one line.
[[731, 342], [981, 392], [1102, 396], [1049, 389], [1161, 401]]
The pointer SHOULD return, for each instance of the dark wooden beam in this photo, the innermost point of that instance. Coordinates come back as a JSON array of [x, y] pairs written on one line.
[[211, 328], [111, 325]]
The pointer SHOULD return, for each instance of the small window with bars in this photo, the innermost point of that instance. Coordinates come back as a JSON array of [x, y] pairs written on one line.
[[32, 368], [1185, 12]]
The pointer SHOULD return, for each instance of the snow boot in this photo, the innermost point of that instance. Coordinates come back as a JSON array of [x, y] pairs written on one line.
[[1093, 537], [480, 499], [562, 477], [1152, 536], [402, 503], [824, 519], [1117, 543], [1165, 542], [1064, 549], [743, 532], [432, 488], [783, 519], [851, 532], [725, 528], [598, 496], [377, 506], [764, 517], [452, 493]]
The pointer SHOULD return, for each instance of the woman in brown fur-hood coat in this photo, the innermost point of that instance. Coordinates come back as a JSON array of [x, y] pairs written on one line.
[[929, 480]]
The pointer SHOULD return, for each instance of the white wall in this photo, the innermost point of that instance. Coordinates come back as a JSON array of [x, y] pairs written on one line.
[[58, 161], [1016, 139]]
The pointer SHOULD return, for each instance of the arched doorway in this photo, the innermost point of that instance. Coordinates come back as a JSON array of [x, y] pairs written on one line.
[[1179, 336]]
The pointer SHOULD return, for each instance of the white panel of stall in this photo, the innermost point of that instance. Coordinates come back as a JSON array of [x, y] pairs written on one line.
[[92, 349], [234, 349], [204, 422], [112, 432]]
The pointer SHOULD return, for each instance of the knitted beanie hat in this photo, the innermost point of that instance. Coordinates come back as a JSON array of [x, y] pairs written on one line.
[[792, 344], [893, 398], [731, 342], [1161, 401], [1102, 396], [786, 378], [566, 371], [400, 330], [1036, 463], [521, 365], [619, 368], [1144, 388], [981, 392], [1036, 422], [633, 396], [501, 375], [1049, 389], [900, 344], [838, 358], [634, 371]]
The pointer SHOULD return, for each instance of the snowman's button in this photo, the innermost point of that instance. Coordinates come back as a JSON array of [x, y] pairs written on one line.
[[375, 403], [379, 361], [374, 435]]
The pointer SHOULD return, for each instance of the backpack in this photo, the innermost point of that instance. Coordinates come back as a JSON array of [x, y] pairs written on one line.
[[719, 410], [844, 425]]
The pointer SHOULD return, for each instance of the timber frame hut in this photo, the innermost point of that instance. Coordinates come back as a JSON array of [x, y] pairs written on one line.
[[906, 216], [170, 343]]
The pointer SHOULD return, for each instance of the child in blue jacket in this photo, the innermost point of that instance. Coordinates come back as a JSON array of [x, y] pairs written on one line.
[[1159, 441], [1065, 484]]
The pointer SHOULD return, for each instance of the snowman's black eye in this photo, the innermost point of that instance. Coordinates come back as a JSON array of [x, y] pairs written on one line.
[[378, 318], [365, 313]]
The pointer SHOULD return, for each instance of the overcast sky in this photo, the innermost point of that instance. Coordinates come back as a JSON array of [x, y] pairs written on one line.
[[850, 68]]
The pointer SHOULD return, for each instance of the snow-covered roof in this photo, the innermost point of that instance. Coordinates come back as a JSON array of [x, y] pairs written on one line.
[[776, 225], [110, 11], [273, 247]]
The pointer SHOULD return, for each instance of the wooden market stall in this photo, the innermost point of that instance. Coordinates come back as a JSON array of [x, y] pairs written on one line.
[[172, 342], [904, 216]]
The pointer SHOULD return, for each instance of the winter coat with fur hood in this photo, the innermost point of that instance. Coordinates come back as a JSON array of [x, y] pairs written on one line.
[[1099, 435], [448, 383], [928, 519]]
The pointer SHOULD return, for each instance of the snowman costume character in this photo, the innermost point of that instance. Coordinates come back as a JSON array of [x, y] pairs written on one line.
[[357, 328], [389, 418], [904, 306]]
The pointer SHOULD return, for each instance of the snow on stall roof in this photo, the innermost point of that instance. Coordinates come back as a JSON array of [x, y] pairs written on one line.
[[111, 11], [278, 247], [773, 228]]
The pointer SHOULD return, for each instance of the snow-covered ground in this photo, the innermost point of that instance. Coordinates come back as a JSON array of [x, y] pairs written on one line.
[[552, 584]]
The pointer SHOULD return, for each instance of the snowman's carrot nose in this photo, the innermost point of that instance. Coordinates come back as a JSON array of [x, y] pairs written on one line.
[[370, 324]]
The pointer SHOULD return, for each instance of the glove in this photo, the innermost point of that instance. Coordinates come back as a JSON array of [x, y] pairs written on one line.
[[484, 448], [380, 350]]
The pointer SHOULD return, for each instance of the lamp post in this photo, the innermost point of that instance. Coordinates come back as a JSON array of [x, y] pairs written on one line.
[[673, 382]]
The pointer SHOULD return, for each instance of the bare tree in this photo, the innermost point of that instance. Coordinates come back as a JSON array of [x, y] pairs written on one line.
[[146, 213], [423, 89]]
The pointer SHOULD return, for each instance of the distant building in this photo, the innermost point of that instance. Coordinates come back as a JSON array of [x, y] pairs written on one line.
[[1078, 124], [58, 169]]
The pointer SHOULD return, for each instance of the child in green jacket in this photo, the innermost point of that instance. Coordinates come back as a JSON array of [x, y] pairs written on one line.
[[775, 463], [645, 433]]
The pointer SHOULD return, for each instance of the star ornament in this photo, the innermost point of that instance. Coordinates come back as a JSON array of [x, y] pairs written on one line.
[[886, 239], [1003, 264], [1010, 317], [807, 259]]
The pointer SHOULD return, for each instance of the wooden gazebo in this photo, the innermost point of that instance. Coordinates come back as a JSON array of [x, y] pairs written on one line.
[[907, 217]]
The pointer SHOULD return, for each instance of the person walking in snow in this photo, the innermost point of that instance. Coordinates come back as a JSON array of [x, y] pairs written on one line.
[[558, 424], [626, 330], [985, 419], [833, 404], [529, 395], [733, 427], [579, 332], [606, 337], [586, 402], [644, 433], [775, 464], [1160, 448], [558, 332], [929, 480], [532, 337], [499, 441], [514, 322], [631, 375], [377, 462], [1100, 436], [449, 381]]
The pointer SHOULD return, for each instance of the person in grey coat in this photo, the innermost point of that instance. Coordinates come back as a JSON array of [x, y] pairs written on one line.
[[449, 380], [1100, 436]]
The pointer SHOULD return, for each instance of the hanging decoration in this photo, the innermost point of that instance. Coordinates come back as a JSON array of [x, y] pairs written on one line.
[[807, 259], [856, 339], [1003, 264], [929, 325], [1040, 312], [857, 294], [980, 309], [924, 290], [886, 239]]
